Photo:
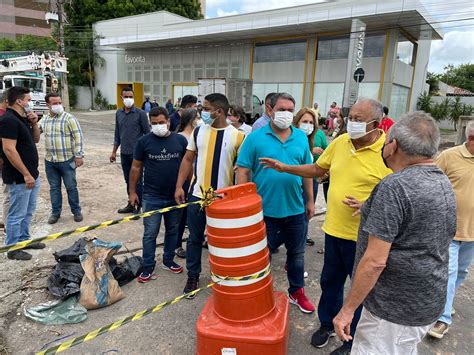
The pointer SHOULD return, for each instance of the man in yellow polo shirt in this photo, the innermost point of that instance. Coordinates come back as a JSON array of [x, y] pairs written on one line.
[[458, 164], [355, 164]]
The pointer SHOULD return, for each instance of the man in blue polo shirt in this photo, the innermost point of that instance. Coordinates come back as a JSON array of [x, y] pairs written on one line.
[[282, 194]]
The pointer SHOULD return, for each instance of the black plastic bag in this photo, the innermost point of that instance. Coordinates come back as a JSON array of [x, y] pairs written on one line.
[[65, 279], [72, 253], [128, 270]]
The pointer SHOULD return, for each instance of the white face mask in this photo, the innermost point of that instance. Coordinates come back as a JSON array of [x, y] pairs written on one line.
[[28, 108], [160, 130], [128, 102], [357, 130], [283, 119], [307, 128], [57, 109]]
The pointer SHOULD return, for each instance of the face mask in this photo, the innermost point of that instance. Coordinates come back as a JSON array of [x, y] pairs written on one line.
[[57, 109], [358, 130], [283, 119], [307, 128], [383, 158], [160, 130], [207, 118], [29, 107], [128, 102], [228, 121]]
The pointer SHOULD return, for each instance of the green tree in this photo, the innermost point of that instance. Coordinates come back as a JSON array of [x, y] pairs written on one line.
[[28, 43], [461, 76], [432, 80], [81, 14]]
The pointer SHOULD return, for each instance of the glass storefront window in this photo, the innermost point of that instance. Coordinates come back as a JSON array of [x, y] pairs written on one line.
[[333, 48], [374, 46], [338, 47], [280, 51], [369, 90], [181, 90], [326, 93], [405, 51], [399, 101], [294, 89]]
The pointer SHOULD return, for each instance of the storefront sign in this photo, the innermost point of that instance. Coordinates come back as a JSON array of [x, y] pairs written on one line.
[[356, 53], [134, 59]]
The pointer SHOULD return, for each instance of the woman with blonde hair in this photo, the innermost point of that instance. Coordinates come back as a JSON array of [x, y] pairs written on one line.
[[307, 121]]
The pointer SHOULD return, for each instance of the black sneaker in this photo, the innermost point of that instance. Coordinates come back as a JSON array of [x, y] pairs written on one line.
[[344, 349], [127, 209], [309, 242], [321, 337], [78, 217], [35, 246], [191, 285], [181, 253], [53, 219], [18, 255]]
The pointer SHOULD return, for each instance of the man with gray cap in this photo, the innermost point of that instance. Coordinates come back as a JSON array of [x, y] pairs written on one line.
[[401, 264]]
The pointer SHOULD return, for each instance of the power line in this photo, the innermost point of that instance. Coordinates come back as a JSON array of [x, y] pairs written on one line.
[[372, 30]]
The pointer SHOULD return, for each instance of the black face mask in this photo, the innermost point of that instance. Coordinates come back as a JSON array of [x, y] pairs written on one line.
[[383, 158]]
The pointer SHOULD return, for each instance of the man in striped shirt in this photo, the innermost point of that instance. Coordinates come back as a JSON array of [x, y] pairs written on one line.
[[64, 153], [213, 149]]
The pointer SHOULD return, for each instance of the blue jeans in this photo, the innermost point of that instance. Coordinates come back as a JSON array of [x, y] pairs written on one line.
[[291, 232], [20, 213], [460, 258], [152, 228], [339, 258], [126, 161], [197, 226], [55, 172]]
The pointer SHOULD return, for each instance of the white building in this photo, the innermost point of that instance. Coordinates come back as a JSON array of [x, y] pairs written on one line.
[[302, 50]]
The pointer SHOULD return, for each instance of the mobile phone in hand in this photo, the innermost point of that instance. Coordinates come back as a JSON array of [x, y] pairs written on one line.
[[73, 164]]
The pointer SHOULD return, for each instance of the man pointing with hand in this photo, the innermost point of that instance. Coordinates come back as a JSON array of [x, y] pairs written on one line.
[[355, 164]]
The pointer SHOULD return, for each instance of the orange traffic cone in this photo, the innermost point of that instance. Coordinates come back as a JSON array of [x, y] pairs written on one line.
[[241, 316]]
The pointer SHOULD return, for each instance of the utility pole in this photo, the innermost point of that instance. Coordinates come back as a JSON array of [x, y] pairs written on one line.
[[64, 86]]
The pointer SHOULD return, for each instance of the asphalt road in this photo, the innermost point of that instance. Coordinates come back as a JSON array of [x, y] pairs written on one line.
[[172, 330]]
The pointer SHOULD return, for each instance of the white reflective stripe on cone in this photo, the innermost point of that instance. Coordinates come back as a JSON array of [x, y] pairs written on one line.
[[238, 252], [229, 223], [235, 283]]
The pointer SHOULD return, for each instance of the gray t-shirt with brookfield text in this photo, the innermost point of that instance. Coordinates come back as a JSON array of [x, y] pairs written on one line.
[[414, 210]]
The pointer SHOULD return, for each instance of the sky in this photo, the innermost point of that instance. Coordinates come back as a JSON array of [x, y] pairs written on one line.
[[456, 48]]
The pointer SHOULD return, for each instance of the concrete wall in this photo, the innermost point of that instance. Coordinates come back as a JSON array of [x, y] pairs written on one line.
[[83, 98], [402, 74], [334, 71], [446, 124], [109, 74], [279, 72]]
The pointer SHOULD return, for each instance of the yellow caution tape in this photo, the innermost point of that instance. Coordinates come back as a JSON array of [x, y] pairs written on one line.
[[121, 322], [209, 197]]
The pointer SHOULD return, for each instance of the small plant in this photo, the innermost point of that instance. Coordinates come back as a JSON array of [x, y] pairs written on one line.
[[455, 111], [467, 110], [99, 100], [440, 111], [424, 102]]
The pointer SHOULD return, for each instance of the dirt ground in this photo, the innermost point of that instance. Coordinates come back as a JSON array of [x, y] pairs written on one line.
[[172, 330]]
